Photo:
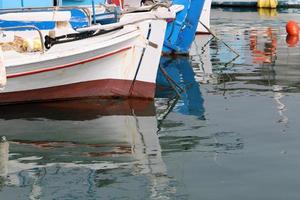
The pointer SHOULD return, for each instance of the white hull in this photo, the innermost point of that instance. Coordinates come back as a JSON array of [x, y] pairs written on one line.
[[122, 63], [204, 18]]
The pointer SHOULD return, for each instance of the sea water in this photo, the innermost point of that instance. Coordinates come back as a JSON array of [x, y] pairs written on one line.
[[231, 131]]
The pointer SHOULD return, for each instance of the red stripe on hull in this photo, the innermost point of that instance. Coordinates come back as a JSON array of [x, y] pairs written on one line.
[[108, 88], [67, 65]]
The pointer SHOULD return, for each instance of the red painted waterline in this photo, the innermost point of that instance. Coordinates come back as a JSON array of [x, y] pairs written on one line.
[[107, 88], [67, 65]]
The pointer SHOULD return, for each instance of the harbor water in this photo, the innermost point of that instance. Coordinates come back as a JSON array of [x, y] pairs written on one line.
[[224, 127]]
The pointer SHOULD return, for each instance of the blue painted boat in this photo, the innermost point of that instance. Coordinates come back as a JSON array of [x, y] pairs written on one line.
[[79, 16], [181, 32], [80, 2], [181, 71], [112, 14], [5, 4], [78, 19], [179, 35]]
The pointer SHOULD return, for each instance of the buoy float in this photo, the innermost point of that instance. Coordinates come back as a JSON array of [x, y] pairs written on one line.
[[292, 28], [292, 40], [267, 3], [266, 12]]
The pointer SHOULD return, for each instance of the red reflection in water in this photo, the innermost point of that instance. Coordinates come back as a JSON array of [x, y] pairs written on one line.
[[263, 45], [292, 40]]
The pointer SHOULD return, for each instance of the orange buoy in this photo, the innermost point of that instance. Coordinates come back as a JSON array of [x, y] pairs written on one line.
[[292, 28], [292, 40]]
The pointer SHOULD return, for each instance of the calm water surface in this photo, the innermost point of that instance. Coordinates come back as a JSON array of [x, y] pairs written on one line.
[[233, 133]]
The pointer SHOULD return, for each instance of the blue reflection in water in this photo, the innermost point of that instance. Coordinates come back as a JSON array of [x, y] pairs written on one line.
[[181, 71]]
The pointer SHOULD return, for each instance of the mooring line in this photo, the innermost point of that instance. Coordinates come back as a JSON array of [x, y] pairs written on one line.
[[211, 32]]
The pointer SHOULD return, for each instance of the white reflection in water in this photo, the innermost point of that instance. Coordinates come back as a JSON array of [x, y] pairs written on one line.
[[79, 156]]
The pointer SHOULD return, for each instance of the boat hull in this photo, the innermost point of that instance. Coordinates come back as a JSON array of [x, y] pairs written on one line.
[[181, 32], [204, 18], [109, 88], [56, 18], [123, 66]]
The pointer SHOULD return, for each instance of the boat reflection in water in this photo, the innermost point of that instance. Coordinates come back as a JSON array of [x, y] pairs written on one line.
[[280, 70], [81, 150], [181, 72], [201, 59], [189, 139], [181, 116]]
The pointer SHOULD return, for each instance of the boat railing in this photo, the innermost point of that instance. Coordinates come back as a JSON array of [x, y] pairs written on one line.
[[27, 27], [85, 10]]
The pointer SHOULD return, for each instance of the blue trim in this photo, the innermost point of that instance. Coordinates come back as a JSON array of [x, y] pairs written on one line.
[[78, 20], [25, 3]]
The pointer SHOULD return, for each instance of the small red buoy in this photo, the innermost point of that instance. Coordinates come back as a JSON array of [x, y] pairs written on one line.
[[292, 40], [292, 28]]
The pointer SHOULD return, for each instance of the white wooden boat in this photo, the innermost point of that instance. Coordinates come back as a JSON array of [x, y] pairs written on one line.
[[204, 18], [121, 62]]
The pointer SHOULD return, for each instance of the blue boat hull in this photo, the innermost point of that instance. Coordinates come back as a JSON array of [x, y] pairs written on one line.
[[179, 35], [5, 4], [181, 32], [78, 20]]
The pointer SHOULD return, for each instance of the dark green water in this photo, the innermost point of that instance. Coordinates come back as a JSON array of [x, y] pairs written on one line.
[[232, 134]]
